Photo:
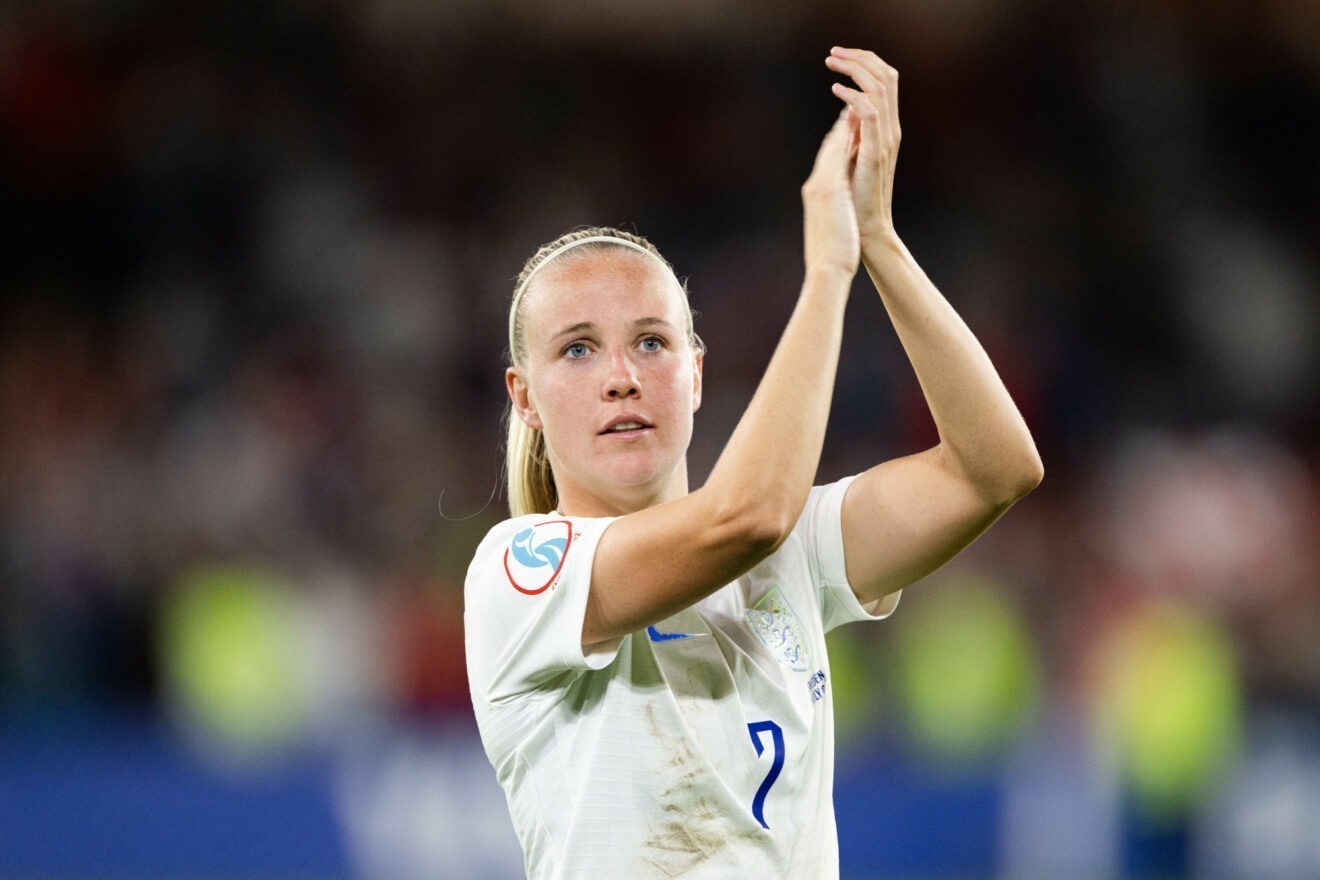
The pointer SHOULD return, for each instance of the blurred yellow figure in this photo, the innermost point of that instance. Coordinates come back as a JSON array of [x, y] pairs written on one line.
[[1168, 704], [968, 671], [226, 643]]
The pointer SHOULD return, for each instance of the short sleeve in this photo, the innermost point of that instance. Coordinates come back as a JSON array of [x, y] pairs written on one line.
[[821, 525], [524, 602]]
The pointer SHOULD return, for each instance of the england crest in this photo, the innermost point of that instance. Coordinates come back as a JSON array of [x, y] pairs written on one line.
[[536, 555], [778, 628]]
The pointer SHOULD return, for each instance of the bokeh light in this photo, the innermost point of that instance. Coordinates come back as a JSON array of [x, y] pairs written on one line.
[[1168, 705], [229, 653], [965, 667]]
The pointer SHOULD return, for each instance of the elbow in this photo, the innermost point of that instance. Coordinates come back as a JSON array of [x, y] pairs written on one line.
[[1031, 474], [1005, 479], [759, 527], [768, 533], [1020, 478]]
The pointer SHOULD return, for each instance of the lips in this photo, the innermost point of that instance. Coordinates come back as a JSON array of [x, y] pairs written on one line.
[[626, 423]]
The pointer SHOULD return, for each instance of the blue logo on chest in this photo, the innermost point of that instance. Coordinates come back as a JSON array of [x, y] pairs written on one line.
[[656, 636]]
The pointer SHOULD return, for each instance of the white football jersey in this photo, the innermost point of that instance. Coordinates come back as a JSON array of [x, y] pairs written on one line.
[[702, 746]]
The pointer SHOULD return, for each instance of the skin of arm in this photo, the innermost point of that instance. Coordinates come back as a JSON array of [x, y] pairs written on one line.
[[655, 562], [905, 518]]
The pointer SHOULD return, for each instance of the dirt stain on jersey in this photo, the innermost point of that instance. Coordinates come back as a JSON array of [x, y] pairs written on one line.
[[692, 828]]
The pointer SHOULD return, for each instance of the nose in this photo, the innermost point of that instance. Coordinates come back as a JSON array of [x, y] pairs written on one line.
[[621, 383]]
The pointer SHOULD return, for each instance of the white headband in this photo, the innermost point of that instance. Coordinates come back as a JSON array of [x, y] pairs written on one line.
[[522, 288]]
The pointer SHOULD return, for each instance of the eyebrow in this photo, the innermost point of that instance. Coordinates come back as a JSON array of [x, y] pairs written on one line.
[[640, 323]]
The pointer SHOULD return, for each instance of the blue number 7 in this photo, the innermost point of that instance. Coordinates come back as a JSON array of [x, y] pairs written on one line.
[[777, 737]]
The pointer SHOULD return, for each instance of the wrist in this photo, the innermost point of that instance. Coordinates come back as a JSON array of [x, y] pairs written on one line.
[[825, 276], [881, 239], [883, 248]]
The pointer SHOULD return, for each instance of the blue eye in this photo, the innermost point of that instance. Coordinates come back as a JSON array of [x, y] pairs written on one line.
[[652, 343], [576, 350]]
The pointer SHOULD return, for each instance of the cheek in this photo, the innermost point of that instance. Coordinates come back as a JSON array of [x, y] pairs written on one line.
[[559, 401], [678, 389]]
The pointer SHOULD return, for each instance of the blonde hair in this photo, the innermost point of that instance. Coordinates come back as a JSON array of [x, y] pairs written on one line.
[[531, 482]]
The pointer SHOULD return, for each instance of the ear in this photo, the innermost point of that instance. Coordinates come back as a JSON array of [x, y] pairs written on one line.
[[698, 359], [521, 398]]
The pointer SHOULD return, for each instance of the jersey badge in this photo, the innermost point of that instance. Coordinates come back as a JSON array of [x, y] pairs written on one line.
[[536, 555], [780, 630]]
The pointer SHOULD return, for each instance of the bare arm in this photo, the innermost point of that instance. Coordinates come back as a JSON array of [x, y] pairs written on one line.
[[904, 518], [655, 562]]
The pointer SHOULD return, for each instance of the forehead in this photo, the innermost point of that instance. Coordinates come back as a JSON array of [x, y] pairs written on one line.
[[601, 287]]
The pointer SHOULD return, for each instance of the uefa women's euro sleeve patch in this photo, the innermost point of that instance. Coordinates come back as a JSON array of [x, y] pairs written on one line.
[[536, 555], [524, 602]]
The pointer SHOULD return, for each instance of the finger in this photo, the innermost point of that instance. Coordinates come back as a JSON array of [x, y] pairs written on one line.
[[876, 65], [865, 79], [871, 82], [833, 149], [855, 135], [865, 68], [875, 69], [873, 123]]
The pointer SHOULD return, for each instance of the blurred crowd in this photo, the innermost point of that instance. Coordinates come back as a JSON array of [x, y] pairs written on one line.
[[260, 255]]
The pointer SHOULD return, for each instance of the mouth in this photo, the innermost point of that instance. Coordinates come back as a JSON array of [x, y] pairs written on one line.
[[626, 426]]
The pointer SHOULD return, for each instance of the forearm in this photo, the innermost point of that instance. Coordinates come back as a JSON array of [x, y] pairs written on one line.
[[982, 434], [672, 555], [768, 465]]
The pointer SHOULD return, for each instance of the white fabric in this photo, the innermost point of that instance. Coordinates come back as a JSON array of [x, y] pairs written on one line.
[[640, 760]]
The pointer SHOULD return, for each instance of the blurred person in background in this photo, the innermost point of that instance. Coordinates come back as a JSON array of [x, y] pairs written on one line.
[[626, 637]]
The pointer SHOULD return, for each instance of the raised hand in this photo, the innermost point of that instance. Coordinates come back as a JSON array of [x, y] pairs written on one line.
[[872, 114], [829, 218]]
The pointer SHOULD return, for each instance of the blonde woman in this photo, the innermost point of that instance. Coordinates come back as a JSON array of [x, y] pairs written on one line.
[[647, 662]]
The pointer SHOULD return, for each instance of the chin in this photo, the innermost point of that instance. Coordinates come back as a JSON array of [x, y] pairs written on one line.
[[634, 473], [632, 477]]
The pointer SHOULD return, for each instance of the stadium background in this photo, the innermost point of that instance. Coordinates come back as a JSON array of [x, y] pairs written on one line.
[[255, 288]]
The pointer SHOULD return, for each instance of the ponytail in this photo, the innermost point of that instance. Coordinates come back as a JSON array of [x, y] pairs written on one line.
[[530, 481]]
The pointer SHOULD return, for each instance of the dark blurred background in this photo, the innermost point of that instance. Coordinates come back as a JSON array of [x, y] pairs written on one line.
[[256, 279]]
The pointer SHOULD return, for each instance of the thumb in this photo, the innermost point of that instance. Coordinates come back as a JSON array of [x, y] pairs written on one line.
[[833, 153]]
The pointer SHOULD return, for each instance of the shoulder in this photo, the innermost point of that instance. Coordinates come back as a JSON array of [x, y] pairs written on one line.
[[823, 510], [530, 551], [524, 601], [502, 533]]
